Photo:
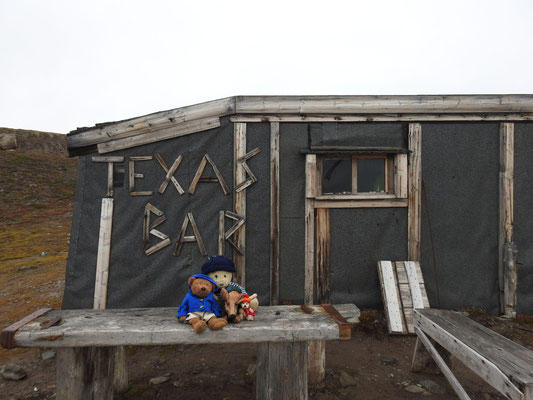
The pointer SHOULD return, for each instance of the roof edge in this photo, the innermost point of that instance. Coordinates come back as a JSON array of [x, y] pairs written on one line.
[[301, 105]]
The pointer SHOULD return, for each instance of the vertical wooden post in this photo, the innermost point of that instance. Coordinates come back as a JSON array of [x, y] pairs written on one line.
[[506, 215], [281, 371], [85, 373], [317, 349], [316, 362], [415, 191], [274, 213], [240, 200], [310, 193], [510, 278], [104, 250], [119, 374], [323, 241]]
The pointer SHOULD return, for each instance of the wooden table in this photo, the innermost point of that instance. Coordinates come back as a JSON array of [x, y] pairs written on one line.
[[86, 340], [502, 363]]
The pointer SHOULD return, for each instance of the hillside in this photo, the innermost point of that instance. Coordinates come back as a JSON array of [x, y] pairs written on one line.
[[37, 186]]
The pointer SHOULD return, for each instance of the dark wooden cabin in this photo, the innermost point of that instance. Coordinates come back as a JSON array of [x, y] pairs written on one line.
[[307, 194]]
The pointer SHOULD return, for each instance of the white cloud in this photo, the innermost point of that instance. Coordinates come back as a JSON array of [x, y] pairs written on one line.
[[66, 64]]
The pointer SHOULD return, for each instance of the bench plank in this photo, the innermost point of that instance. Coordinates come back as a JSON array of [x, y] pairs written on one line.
[[499, 361], [159, 326]]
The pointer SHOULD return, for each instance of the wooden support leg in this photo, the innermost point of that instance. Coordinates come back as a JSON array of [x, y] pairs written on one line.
[[317, 362], [121, 370], [281, 371], [85, 373], [422, 360], [442, 365]]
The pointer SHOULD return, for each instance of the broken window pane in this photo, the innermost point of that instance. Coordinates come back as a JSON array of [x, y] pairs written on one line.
[[337, 175], [370, 175]]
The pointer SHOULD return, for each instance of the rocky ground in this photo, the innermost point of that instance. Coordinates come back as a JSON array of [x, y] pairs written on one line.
[[37, 186]]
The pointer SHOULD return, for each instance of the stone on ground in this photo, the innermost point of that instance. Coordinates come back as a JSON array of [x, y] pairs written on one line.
[[345, 379], [415, 389], [12, 372], [433, 387], [159, 380], [47, 355]]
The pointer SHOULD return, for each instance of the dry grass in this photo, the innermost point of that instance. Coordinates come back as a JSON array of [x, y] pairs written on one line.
[[36, 201]]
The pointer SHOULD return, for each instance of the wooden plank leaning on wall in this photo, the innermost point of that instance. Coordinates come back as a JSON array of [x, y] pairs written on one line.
[[507, 271], [274, 213], [239, 200], [415, 191], [112, 358], [310, 194]]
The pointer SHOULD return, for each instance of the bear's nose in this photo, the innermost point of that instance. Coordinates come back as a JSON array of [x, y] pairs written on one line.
[[203, 289]]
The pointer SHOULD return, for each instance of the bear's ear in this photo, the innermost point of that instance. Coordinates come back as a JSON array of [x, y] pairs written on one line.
[[191, 280], [224, 293]]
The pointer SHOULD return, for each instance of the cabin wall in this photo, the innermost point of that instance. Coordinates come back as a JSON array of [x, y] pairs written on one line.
[[137, 280], [460, 217], [360, 237], [293, 137], [459, 251], [523, 214]]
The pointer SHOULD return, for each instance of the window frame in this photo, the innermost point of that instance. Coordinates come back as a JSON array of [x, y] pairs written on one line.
[[395, 176]]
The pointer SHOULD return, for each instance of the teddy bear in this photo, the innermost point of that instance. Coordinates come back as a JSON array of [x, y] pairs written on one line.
[[221, 270], [249, 314], [199, 307]]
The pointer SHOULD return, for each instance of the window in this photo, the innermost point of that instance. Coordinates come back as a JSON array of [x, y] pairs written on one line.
[[362, 175]]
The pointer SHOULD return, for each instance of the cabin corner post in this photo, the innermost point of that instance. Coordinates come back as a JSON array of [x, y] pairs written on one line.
[[239, 199], [274, 213], [310, 193], [415, 191], [507, 271]]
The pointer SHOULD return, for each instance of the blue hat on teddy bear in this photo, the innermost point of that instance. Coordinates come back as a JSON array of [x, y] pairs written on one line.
[[218, 263]]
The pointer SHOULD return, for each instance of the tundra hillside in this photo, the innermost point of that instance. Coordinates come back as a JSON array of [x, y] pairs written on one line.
[[37, 185]]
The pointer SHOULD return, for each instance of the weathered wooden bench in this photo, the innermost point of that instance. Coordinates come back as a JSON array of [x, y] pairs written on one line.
[[86, 340], [502, 363]]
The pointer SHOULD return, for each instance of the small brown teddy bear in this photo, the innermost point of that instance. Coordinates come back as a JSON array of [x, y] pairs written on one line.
[[199, 305]]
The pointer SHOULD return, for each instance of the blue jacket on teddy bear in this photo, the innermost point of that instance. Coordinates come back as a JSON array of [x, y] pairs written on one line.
[[192, 302]]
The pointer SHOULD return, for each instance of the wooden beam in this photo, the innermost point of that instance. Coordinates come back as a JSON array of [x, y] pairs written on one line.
[[475, 346], [221, 230], [316, 362], [510, 278], [392, 203], [281, 371], [415, 191], [310, 193], [442, 365], [400, 176], [506, 206], [384, 104], [382, 117], [172, 119], [158, 326], [85, 373], [323, 244], [110, 170], [133, 175], [274, 213], [239, 200], [184, 129], [169, 174], [198, 176], [104, 251]]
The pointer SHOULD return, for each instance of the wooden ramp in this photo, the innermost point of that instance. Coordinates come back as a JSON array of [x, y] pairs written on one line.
[[402, 287]]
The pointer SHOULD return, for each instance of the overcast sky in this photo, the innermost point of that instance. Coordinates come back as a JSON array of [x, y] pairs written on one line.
[[67, 64]]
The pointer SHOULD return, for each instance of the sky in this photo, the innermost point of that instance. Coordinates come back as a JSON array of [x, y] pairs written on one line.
[[68, 64]]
